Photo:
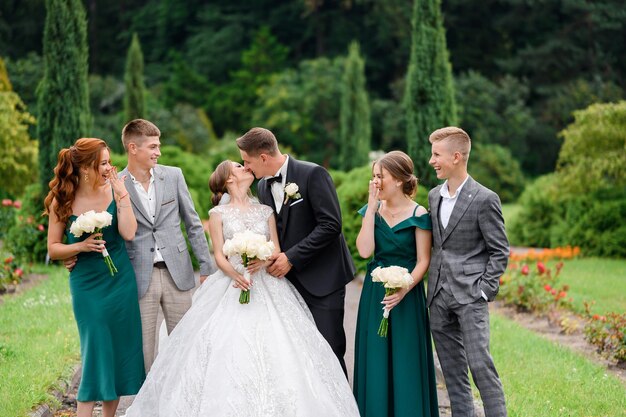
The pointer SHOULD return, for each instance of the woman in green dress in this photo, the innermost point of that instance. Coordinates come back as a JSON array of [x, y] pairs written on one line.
[[106, 307], [394, 376]]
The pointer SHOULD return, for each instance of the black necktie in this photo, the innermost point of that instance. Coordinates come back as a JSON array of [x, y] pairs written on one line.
[[272, 180]]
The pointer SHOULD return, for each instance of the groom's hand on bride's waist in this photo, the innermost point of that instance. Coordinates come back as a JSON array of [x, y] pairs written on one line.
[[280, 265]]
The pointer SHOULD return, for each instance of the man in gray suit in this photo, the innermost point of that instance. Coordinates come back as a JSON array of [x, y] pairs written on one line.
[[161, 200], [470, 253]]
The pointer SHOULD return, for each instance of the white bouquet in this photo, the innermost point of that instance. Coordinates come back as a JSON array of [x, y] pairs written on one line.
[[249, 246], [393, 278], [92, 222]]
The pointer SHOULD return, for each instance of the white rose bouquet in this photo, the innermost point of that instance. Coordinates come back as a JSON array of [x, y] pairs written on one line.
[[393, 278], [92, 222], [249, 246]]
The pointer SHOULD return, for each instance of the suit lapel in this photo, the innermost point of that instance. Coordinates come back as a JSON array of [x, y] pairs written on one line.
[[284, 211], [434, 209], [466, 196], [134, 197], [159, 185]]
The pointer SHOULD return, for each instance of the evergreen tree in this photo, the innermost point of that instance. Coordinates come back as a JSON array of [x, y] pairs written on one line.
[[18, 152], [354, 116], [429, 94], [63, 95], [134, 103]]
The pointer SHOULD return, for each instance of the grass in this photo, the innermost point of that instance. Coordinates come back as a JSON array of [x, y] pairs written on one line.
[[38, 343], [541, 378], [596, 279]]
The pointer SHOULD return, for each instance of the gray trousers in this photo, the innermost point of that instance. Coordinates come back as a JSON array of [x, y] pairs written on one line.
[[461, 334], [162, 293]]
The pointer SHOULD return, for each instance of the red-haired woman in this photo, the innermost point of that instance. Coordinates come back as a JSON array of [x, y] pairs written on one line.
[[105, 307]]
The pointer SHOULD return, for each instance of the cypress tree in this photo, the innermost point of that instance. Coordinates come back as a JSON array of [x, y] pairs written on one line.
[[429, 94], [63, 94], [355, 124], [134, 104]]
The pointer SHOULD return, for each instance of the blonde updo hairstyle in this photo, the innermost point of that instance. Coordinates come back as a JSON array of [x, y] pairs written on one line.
[[400, 166]]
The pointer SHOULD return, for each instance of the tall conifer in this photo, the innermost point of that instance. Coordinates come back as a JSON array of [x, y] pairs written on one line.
[[134, 104], [63, 95], [355, 123], [429, 94]]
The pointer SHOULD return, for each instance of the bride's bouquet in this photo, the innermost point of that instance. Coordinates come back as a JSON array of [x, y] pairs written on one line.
[[393, 278], [249, 246], [92, 222]]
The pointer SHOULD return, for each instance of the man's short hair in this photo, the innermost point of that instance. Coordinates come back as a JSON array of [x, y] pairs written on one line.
[[257, 141], [137, 130], [457, 138]]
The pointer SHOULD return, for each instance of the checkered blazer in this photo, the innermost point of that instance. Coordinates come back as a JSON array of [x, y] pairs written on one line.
[[472, 251]]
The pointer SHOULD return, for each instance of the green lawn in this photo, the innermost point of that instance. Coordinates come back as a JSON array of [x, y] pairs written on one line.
[[543, 379], [602, 280], [38, 343]]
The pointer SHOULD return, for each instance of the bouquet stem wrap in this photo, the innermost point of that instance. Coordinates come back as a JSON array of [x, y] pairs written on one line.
[[244, 297], [107, 258], [384, 323]]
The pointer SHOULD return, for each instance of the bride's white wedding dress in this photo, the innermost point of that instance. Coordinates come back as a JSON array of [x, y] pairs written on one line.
[[264, 359]]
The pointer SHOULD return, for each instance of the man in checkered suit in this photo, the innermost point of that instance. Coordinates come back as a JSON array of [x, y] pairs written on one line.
[[470, 253]]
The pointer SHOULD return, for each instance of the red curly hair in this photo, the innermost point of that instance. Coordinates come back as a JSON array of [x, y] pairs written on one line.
[[84, 153]]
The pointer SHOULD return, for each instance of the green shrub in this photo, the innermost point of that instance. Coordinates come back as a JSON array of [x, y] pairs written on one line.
[[495, 167], [11, 273], [531, 227], [27, 238], [7, 215]]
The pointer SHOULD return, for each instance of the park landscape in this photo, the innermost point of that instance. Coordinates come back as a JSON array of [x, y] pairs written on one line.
[[339, 83]]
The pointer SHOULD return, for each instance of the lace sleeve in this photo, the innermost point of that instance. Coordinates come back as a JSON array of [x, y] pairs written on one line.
[[217, 209], [267, 211]]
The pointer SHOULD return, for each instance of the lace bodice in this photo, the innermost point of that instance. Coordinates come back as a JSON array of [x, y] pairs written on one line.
[[236, 220]]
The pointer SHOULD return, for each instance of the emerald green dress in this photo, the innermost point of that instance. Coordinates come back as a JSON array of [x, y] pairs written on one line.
[[394, 376], [106, 309]]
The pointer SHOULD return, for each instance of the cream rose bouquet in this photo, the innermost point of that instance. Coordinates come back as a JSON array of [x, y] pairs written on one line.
[[393, 278], [92, 222], [249, 246]]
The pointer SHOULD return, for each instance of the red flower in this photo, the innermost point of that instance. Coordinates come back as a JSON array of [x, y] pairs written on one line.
[[7, 202], [525, 270], [541, 267], [547, 287], [562, 294], [19, 272], [17, 204], [41, 228], [501, 281], [8, 260], [595, 317], [553, 292]]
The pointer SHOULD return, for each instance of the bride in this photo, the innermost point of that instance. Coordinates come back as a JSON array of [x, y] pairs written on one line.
[[265, 358]]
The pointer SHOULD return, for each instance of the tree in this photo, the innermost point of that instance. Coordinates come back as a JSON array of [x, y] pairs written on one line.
[[354, 118], [134, 103], [63, 95], [301, 107], [18, 152], [592, 157], [429, 94]]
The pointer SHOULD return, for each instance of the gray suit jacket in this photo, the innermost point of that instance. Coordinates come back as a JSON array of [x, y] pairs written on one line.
[[173, 204], [473, 251]]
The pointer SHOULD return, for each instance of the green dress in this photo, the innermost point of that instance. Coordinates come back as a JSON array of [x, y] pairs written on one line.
[[106, 309], [394, 376]]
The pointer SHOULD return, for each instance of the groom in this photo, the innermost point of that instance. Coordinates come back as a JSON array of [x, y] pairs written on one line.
[[470, 253], [314, 257]]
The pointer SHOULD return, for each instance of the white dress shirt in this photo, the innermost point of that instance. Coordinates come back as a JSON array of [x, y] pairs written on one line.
[[278, 188], [148, 200], [448, 202]]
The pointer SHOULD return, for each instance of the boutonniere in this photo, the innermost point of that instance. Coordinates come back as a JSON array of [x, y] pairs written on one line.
[[291, 192]]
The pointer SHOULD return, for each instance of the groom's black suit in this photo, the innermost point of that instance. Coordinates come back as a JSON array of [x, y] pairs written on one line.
[[309, 230]]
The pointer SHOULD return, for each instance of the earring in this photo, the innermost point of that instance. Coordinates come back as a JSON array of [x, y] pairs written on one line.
[[86, 178]]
